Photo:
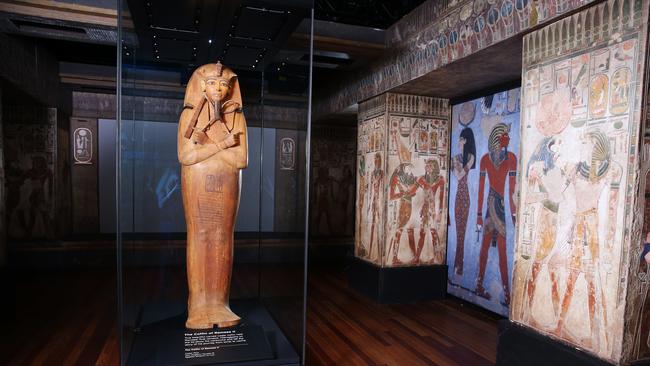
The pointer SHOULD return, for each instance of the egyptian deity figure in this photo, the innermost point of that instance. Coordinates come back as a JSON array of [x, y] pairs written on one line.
[[403, 187], [433, 185], [590, 177], [545, 176], [376, 184], [462, 164], [212, 149], [498, 164]]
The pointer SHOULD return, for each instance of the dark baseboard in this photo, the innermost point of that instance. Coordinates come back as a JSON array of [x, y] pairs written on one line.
[[398, 284], [519, 345]]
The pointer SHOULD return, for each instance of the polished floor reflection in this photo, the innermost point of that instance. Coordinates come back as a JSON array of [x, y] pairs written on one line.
[[69, 319], [345, 328]]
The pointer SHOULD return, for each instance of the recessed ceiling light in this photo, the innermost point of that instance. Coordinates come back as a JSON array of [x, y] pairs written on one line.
[[210, 41]]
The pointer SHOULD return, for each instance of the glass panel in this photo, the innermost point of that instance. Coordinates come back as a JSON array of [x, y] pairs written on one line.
[[267, 45]]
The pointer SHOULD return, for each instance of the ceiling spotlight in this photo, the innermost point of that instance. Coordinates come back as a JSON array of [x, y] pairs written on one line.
[[210, 41], [253, 66], [157, 56], [154, 36]]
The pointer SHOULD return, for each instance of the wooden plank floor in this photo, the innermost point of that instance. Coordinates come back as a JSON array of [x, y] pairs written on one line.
[[345, 328], [62, 319], [69, 319]]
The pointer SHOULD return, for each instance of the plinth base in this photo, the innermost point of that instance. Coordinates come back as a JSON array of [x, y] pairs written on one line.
[[164, 340], [519, 345], [398, 284]]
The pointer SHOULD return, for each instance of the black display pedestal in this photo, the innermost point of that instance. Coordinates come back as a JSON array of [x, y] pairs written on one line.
[[519, 345], [163, 339], [398, 284]]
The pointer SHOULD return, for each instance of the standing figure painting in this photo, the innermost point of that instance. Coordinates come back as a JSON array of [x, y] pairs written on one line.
[[402, 165], [212, 150], [403, 187], [481, 240], [461, 165], [369, 231], [377, 185], [416, 192], [574, 273], [433, 186], [498, 164]]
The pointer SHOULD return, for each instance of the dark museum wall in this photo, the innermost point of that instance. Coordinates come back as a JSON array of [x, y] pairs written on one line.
[[37, 172], [287, 184], [35, 110], [3, 211], [332, 181]]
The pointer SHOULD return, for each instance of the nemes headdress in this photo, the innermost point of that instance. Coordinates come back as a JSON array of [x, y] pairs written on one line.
[[195, 91], [216, 71]]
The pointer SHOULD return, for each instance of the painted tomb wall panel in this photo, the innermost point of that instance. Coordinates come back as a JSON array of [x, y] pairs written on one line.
[[416, 212], [416, 179], [636, 341], [333, 162], [482, 199], [30, 155], [440, 32], [579, 133], [370, 190], [637, 337]]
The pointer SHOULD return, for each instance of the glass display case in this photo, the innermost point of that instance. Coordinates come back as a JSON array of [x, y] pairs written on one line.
[[210, 172]]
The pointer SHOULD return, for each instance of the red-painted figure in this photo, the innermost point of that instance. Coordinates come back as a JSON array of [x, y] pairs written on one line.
[[403, 187], [432, 184], [497, 164]]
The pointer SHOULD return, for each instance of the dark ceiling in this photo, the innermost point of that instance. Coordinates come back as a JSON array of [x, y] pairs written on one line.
[[368, 13], [243, 34]]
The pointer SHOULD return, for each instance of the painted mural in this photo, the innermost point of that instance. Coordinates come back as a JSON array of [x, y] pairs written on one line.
[[369, 236], [402, 169], [579, 142], [440, 32], [332, 167], [416, 214], [641, 328], [30, 157], [482, 201]]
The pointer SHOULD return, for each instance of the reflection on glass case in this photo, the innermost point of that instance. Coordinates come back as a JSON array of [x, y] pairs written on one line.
[[211, 176]]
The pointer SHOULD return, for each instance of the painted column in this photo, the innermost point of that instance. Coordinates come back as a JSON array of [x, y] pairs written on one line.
[[402, 174], [578, 246]]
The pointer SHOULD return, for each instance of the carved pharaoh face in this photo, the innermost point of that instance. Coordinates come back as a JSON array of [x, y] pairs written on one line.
[[217, 89]]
